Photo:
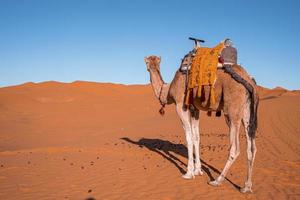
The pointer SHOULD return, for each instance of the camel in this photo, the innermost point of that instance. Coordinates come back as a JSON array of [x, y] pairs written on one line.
[[232, 98]]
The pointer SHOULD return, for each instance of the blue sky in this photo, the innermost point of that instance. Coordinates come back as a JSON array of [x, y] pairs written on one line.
[[106, 41]]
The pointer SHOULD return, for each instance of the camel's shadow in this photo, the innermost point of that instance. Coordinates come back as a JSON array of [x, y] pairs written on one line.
[[165, 148]]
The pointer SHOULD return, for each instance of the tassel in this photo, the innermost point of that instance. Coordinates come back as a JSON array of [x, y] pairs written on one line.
[[199, 91], [187, 97], [162, 111]]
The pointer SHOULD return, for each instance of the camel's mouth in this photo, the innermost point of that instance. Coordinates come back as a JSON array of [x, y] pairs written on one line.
[[153, 67]]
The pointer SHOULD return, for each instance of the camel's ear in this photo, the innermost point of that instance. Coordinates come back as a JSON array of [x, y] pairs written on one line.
[[146, 59], [158, 59]]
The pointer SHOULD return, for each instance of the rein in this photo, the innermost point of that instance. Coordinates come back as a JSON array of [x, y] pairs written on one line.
[[161, 110]]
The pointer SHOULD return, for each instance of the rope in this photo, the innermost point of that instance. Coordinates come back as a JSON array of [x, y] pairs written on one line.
[[161, 110]]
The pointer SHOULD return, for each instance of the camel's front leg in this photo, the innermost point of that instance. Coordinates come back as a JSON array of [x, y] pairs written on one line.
[[196, 142], [234, 151], [185, 118]]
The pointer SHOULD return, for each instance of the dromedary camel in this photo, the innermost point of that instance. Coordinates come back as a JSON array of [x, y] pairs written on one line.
[[231, 97]]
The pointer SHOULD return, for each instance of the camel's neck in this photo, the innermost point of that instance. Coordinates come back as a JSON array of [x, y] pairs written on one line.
[[156, 82], [160, 88]]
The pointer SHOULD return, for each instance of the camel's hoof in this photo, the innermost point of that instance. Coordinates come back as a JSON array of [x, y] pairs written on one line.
[[246, 190], [198, 172], [214, 183], [188, 176]]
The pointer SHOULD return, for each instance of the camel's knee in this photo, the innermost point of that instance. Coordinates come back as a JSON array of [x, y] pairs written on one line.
[[196, 137], [195, 130], [234, 154], [237, 153]]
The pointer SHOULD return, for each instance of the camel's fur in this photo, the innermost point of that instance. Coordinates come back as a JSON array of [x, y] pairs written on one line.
[[231, 97]]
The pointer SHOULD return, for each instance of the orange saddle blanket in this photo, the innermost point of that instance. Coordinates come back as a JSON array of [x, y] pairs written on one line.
[[203, 72]]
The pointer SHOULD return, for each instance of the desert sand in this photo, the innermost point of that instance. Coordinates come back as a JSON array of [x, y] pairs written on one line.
[[85, 140]]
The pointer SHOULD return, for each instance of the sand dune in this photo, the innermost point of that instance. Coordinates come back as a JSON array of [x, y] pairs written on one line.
[[107, 141]]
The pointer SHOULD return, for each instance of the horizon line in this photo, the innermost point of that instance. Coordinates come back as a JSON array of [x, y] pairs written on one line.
[[113, 83]]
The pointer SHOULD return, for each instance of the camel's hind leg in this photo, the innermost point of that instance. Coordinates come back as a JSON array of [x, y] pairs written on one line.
[[251, 151], [234, 149], [185, 118], [196, 141]]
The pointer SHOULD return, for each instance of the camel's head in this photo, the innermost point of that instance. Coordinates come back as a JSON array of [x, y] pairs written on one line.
[[153, 63]]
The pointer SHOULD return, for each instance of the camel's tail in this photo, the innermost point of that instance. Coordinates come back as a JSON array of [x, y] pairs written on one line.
[[253, 112]]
